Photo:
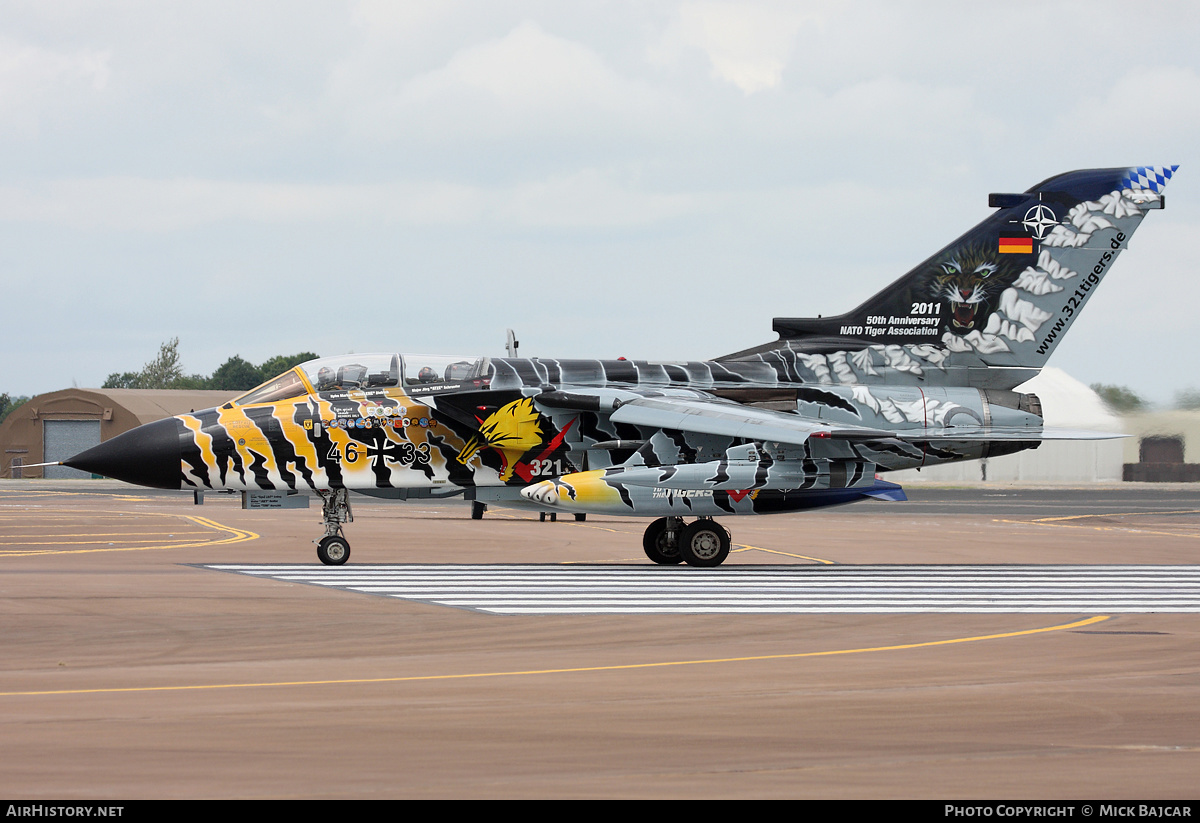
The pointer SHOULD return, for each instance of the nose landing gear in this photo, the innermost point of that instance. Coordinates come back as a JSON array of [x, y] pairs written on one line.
[[334, 549]]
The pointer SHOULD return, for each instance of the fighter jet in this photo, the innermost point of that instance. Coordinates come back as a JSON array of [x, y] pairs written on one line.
[[923, 373]]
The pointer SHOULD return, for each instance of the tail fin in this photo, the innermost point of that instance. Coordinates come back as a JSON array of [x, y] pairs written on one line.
[[990, 308]]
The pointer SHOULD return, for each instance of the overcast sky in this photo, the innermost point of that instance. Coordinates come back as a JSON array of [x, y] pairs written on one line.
[[647, 179]]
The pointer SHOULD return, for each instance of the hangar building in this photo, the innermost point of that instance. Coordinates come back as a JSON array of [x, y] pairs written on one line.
[[61, 424], [1165, 446]]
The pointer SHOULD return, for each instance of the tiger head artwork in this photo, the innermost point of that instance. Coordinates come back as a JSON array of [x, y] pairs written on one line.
[[968, 279]]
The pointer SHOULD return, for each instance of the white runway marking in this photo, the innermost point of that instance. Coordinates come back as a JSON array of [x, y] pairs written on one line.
[[514, 589]]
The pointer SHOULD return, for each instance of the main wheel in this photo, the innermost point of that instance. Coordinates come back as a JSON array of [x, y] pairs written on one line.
[[659, 546], [704, 543], [333, 551]]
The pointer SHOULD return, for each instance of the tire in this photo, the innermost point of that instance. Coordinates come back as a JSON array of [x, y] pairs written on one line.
[[704, 543], [477, 510], [655, 544], [333, 551]]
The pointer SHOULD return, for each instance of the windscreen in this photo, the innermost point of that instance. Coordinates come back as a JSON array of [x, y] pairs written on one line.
[[288, 384], [345, 372]]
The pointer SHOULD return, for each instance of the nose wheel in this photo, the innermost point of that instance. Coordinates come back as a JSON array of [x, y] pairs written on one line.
[[334, 549]]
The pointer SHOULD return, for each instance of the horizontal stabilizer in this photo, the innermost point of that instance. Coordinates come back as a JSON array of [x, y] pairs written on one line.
[[887, 491]]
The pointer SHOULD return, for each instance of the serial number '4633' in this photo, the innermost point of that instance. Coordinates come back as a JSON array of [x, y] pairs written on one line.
[[406, 454]]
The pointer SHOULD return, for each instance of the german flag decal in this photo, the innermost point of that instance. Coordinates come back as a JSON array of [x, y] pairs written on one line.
[[1016, 244]]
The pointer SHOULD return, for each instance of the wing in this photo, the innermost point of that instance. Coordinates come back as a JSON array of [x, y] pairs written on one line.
[[725, 418], [691, 463]]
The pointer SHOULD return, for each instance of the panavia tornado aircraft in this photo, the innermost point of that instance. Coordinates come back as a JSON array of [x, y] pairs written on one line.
[[920, 374]]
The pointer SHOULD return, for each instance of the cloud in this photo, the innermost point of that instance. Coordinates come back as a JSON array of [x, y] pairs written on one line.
[[747, 44], [34, 79], [526, 82], [526, 70], [592, 198], [814, 149], [1162, 101], [589, 198]]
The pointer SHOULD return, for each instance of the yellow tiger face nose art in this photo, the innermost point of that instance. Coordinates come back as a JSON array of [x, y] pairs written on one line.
[[514, 428]]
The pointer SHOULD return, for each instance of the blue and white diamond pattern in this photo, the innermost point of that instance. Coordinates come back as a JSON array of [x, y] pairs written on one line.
[[1148, 178]]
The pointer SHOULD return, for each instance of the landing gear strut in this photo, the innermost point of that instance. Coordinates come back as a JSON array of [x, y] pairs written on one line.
[[703, 542], [334, 549]]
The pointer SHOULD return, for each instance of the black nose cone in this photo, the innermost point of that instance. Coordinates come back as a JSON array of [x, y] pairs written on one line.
[[148, 456]]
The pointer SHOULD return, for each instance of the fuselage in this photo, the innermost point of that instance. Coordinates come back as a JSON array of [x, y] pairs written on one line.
[[921, 373], [418, 425]]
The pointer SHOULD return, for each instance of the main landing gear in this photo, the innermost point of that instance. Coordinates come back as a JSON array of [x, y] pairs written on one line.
[[334, 549], [703, 542]]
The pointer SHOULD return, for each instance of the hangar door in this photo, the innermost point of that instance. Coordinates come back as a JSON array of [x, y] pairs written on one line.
[[66, 438]]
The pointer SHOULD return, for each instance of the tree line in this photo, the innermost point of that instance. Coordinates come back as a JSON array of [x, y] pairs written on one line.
[[9, 404], [166, 372], [1125, 400]]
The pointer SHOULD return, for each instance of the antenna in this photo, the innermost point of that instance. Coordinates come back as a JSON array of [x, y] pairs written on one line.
[[511, 342]]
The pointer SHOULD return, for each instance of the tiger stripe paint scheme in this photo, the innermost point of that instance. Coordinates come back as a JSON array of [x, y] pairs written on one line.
[[383, 439], [920, 374], [357, 440]]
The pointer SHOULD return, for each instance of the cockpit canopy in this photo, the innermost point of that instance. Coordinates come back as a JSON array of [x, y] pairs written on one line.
[[352, 371], [366, 371]]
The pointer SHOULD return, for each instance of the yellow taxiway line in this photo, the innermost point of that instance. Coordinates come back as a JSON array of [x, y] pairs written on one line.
[[232, 535], [1062, 522], [574, 670]]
